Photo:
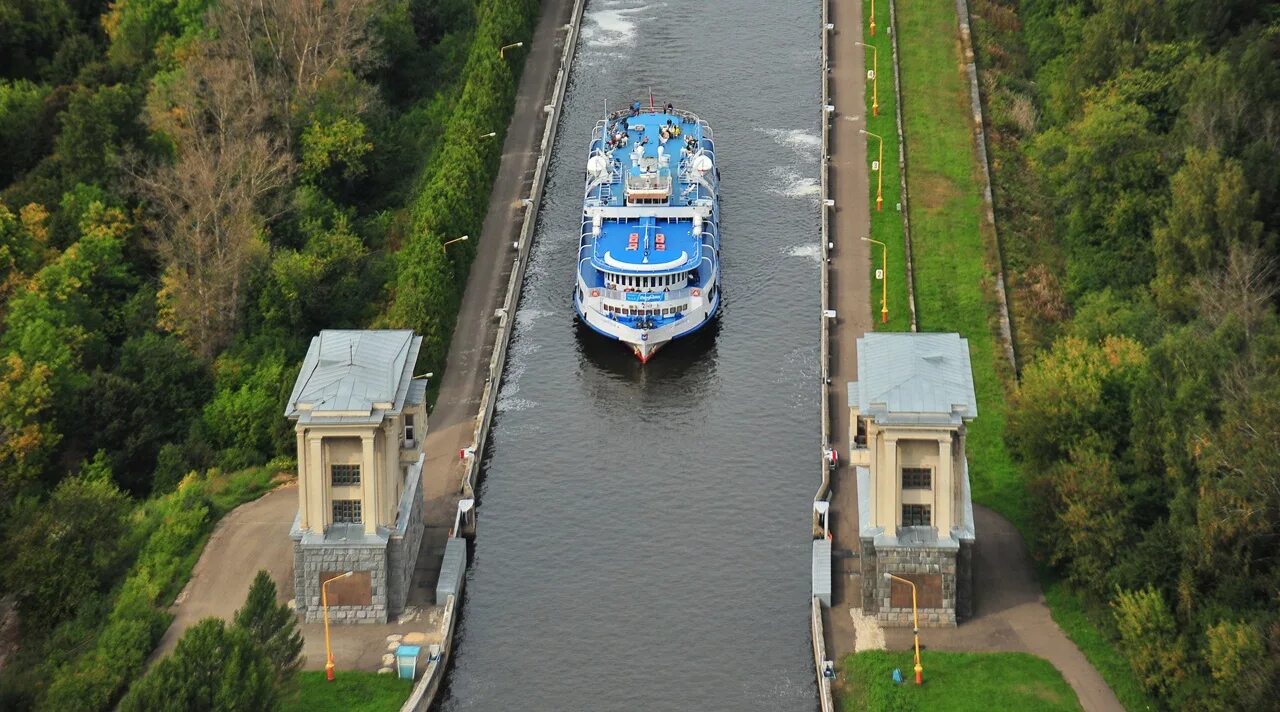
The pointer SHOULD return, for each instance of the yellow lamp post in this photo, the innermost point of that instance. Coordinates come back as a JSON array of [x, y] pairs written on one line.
[[324, 603], [456, 239], [873, 18], [915, 615], [502, 52], [884, 280], [874, 77], [879, 168]]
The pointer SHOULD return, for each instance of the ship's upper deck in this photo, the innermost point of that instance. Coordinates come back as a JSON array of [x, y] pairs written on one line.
[[647, 244], [636, 165], [651, 189]]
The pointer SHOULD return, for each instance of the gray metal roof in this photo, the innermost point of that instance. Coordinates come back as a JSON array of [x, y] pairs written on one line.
[[417, 392], [822, 570], [354, 376], [914, 379]]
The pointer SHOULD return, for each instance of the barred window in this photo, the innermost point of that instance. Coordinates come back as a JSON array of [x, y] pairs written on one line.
[[917, 478], [917, 515], [346, 511], [345, 475], [408, 428]]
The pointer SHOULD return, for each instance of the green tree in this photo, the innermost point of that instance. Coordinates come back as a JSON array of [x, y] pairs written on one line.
[[1084, 514], [27, 435], [26, 134], [1244, 675], [325, 285], [214, 667], [1077, 390], [95, 128], [1211, 212], [1149, 636], [273, 626], [149, 398], [1105, 170], [66, 550], [243, 418], [334, 150]]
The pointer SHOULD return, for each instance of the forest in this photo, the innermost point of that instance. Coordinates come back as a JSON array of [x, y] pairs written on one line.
[[189, 191], [1136, 157]]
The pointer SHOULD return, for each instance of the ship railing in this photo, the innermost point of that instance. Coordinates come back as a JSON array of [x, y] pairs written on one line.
[[681, 113], [650, 182], [621, 295]]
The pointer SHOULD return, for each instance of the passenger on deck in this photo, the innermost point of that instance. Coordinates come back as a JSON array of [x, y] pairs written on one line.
[[635, 108], [675, 131], [663, 134], [691, 143], [670, 108]]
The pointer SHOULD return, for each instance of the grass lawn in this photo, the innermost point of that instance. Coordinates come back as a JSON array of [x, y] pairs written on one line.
[[350, 691], [886, 224], [952, 276], [956, 682]]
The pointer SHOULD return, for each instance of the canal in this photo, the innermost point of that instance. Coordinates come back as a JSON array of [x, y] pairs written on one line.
[[643, 531]]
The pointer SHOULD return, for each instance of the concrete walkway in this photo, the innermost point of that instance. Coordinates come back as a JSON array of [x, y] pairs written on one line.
[[850, 297]]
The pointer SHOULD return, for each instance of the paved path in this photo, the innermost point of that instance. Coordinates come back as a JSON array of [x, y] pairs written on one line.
[[1010, 614], [256, 535], [251, 537], [850, 297]]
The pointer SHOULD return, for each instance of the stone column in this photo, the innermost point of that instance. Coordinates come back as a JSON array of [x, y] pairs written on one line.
[[944, 498], [368, 485], [303, 517], [318, 494], [873, 466], [889, 488]]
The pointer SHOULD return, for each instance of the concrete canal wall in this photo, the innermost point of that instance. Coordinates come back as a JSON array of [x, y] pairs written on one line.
[[428, 685], [816, 629]]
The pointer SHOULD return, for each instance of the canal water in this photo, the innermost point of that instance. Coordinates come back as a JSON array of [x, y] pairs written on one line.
[[644, 531]]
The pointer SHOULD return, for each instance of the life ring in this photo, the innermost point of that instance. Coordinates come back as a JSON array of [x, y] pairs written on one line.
[[595, 292], [696, 292]]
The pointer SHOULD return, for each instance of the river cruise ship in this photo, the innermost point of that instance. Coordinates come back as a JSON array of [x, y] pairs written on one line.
[[649, 255]]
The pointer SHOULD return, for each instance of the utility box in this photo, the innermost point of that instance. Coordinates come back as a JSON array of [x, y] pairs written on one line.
[[407, 661]]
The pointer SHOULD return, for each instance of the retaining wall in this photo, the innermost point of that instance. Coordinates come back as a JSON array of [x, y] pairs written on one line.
[[980, 146]]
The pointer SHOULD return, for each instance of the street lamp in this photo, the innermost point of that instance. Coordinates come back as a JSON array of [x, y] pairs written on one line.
[[916, 617], [324, 603], [456, 239], [884, 280], [874, 77], [873, 18], [491, 134], [502, 52], [879, 168]]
